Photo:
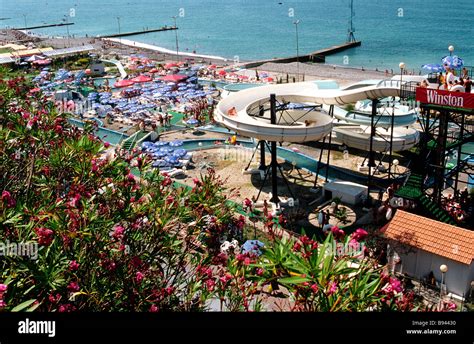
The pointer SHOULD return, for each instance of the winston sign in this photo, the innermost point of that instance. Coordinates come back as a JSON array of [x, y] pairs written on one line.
[[445, 98]]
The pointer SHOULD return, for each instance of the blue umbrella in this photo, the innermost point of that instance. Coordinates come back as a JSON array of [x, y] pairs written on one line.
[[453, 61], [180, 153], [176, 143], [253, 247], [433, 67]]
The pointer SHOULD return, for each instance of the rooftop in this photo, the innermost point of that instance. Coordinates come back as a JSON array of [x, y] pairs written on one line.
[[439, 238]]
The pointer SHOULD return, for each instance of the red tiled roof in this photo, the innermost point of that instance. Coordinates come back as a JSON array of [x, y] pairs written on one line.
[[432, 236]]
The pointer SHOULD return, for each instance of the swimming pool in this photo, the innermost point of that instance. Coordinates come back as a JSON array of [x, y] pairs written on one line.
[[106, 135], [240, 86], [100, 81], [218, 84]]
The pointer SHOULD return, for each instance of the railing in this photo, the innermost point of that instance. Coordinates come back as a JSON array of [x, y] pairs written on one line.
[[408, 90]]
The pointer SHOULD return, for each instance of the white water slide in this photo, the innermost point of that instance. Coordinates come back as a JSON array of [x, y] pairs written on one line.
[[239, 111]]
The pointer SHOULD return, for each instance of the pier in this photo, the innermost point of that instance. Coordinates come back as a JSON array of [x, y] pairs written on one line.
[[42, 26], [133, 33], [318, 56]]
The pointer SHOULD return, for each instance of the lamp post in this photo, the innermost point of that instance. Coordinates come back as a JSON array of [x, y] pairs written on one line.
[[402, 68], [451, 49], [24, 17], [118, 23], [443, 268], [67, 29], [176, 37], [296, 22]]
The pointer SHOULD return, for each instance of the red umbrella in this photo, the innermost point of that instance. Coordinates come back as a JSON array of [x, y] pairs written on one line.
[[42, 62], [212, 66], [171, 65], [269, 79], [222, 72], [153, 70], [35, 90], [174, 77], [243, 77], [123, 83], [142, 78]]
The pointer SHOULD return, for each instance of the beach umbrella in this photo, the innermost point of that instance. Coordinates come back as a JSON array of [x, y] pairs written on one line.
[[171, 65], [123, 83], [34, 58], [433, 67], [252, 247], [453, 61], [175, 78], [222, 72], [42, 62], [269, 79], [142, 78], [176, 143], [213, 66], [153, 70], [180, 153]]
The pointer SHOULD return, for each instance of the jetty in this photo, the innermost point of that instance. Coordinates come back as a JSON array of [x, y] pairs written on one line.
[[133, 33], [42, 26], [318, 56]]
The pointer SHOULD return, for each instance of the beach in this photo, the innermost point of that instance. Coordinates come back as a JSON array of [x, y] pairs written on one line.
[[113, 46]]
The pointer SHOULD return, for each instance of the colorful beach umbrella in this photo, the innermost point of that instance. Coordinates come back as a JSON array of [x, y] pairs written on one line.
[[174, 78], [123, 83], [453, 61], [433, 67], [142, 78]]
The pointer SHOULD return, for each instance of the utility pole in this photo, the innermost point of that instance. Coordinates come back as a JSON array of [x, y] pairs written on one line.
[[296, 22], [118, 22], [176, 37], [350, 36]]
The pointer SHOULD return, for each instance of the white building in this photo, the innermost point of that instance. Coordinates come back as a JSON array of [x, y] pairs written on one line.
[[419, 246]]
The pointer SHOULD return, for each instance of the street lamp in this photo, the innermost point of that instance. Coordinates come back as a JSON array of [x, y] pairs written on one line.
[[24, 17], [176, 36], [118, 22], [451, 49], [67, 29], [402, 67], [296, 22], [443, 268]]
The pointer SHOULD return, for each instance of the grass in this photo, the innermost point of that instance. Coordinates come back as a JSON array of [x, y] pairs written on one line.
[[6, 50]]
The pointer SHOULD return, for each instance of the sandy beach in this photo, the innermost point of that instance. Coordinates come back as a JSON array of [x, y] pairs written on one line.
[[112, 47]]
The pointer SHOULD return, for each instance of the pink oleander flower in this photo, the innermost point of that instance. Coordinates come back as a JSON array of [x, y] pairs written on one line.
[[8, 199], [45, 236], [139, 277], [259, 271], [314, 288], [118, 232], [106, 144], [337, 232], [332, 288], [359, 234], [3, 304], [3, 288], [73, 287], [153, 309], [197, 182], [396, 285], [247, 203], [73, 265]]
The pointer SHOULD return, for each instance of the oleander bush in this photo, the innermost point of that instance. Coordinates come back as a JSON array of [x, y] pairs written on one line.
[[113, 234]]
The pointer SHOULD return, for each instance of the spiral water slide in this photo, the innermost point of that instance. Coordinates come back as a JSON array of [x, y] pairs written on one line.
[[240, 111]]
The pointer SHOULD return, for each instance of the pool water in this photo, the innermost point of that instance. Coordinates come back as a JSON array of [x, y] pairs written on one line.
[[100, 81], [106, 135], [240, 86]]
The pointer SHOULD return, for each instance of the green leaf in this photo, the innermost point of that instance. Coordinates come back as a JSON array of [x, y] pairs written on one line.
[[293, 280], [23, 305]]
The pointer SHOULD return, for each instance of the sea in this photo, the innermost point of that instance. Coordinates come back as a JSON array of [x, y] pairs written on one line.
[[415, 32]]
